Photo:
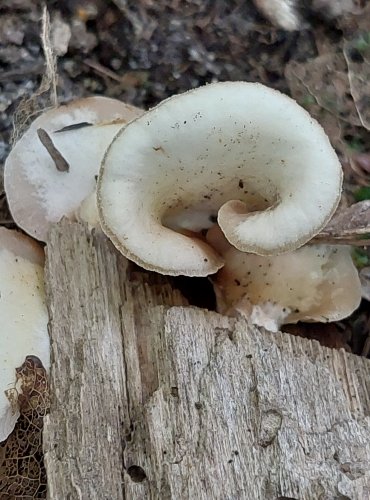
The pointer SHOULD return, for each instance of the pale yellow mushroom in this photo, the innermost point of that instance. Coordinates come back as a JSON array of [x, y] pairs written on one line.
[[314, 283], [23, 315], [53, 168], [240, 153]]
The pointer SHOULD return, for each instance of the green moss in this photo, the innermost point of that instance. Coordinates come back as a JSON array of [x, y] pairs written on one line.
[[360, 257], [356, 144], [363, 193], [362, 43], [308, 100]]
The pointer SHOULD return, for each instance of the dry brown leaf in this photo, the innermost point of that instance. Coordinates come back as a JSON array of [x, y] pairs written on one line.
[[326, 79], [347, 226], [357, 54], [365, 282], [357, 168], [301, 93], [22, 472], [356, 50], [332, 9], [354, 219]]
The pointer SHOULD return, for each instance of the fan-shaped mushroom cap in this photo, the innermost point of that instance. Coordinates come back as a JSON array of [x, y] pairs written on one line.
[[23, 315], [241, 152], [314, 283], [38, 193]]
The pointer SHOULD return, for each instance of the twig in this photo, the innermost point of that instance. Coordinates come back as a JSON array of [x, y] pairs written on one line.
[[103, 70], [130, 79], [50, 58], [340, 240], [22, 72], [31, 106], [45, 139]]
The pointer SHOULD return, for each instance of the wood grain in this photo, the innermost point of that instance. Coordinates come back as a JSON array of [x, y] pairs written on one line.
[[153, 399]]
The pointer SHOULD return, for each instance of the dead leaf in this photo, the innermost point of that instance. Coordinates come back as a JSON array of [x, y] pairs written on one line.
[[357, 54], [332, 9], [365, 282], [325, 78], [357, 167], [22, 471], [347, 226], [301, 93]]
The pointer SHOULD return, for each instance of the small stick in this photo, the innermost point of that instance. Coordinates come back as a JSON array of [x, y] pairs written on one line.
[[340, 240], [61, 164], [74, 126], [103, 70]]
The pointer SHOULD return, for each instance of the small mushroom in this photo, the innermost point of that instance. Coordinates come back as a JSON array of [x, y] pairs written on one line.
[[23, 313], [53, 167], [314, 283], [240, 153]]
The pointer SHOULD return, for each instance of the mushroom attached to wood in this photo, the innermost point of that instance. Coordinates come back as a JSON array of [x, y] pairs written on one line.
[[23, 313], [240, 153], [316, 283], [52, 169]]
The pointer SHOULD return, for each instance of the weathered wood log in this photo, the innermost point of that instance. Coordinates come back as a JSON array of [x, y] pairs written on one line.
[[153, 399]]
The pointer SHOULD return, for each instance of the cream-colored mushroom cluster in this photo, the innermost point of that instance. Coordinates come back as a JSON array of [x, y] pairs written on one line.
[[231, 178], [250, 164]]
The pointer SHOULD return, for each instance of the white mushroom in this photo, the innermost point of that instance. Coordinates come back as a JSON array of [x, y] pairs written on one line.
[[23, 315], [238, 152], [314, 283], [53, 167]]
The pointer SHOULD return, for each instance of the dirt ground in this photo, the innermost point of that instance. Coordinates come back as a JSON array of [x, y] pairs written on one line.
[[144, 51]]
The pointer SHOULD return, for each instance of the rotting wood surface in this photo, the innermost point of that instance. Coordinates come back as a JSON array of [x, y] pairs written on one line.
[[151, 401]]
